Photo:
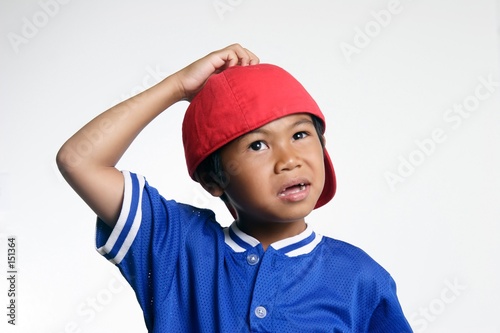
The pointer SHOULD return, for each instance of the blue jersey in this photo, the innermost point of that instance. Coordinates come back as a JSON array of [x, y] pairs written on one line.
[[192, 275]]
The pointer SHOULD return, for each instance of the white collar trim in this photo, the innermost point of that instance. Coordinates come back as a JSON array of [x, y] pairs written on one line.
[[239, 241]]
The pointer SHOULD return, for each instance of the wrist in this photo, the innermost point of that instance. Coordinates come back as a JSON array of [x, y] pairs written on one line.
[[176, 87]]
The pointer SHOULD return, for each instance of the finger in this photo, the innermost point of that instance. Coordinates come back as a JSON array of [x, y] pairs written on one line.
[[223, 59], [253, 59], [245, 57], [234, 55], [232, 58]]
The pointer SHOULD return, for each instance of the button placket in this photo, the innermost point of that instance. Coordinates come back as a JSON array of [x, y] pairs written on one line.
[[265, 292]]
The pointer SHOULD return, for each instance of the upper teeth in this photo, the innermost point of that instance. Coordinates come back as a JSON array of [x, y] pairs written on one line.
[[302, 187]]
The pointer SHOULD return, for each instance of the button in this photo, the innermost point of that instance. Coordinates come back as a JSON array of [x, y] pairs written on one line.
[[252, 259], [260, 312]]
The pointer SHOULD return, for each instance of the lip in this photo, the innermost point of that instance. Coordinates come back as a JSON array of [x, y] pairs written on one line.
[[295, 190]]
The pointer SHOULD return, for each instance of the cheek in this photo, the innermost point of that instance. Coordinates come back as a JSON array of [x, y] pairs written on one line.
[[316, 160], [248, 178], [314, 154]]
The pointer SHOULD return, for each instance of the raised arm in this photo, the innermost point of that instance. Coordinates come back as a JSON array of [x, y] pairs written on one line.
[[87, 160]]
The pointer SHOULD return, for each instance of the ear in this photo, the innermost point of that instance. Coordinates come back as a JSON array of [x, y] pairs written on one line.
[[209, 184]]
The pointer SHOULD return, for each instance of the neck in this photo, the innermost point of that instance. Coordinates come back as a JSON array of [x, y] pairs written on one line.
[[269, 232]]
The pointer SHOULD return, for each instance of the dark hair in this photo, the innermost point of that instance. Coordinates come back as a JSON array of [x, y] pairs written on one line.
[[212, 165]]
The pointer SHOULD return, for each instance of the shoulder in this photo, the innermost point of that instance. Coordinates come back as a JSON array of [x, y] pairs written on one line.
[[140, 195], [356, 273], [351, 258], [363, 283], [146, 214]]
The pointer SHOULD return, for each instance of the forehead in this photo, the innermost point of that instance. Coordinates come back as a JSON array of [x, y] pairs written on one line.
[[283, 123]]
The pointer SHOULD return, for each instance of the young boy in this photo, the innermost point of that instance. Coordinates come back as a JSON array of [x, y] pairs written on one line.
[[254, 137]]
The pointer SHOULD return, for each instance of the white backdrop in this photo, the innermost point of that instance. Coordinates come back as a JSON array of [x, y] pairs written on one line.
[[410, 90]]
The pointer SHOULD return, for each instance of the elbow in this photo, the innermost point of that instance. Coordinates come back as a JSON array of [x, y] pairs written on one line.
[[67, 160]]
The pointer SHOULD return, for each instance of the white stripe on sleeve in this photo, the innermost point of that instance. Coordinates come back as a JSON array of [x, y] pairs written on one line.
[[121, 224]]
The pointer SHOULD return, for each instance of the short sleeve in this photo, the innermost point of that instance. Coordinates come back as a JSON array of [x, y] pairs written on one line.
[[114, 243], [388, 315], [146, 240]]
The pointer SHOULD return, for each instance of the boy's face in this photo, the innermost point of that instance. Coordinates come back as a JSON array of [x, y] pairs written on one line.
[[276, 172]]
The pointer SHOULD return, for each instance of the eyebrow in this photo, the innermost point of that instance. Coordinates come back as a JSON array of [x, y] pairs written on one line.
[[302, 121]]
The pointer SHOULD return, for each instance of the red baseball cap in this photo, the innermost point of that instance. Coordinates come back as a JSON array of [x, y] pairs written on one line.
[[239, 100]]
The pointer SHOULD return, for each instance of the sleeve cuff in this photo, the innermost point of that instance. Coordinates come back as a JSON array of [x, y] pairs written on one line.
[[114, 244]]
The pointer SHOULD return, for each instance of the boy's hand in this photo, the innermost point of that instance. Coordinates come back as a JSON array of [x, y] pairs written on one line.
[[192, 78]]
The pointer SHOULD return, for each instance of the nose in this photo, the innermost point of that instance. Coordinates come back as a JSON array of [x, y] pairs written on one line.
[[286, 159]]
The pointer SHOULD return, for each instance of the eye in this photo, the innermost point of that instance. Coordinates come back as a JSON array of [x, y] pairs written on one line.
[[258, 145], [300, 135]]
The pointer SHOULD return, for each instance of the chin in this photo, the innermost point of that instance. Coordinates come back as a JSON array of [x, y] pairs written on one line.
[[292, 215]]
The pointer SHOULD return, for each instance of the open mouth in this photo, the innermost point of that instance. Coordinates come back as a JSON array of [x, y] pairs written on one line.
[[293, 189]]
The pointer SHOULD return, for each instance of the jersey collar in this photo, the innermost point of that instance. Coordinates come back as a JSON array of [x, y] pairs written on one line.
[[302, 243]]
